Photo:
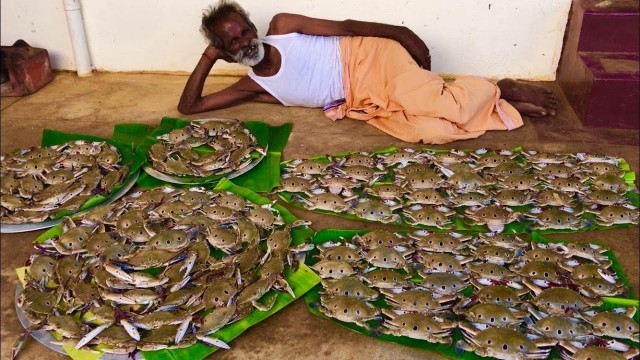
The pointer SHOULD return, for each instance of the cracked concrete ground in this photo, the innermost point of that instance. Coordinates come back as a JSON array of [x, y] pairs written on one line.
[[95, 104]]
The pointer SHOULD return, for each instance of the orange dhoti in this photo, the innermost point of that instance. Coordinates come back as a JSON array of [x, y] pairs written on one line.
[[385, 87]]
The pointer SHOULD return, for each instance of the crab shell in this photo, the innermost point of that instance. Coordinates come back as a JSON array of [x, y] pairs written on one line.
[[418, 326], [501, 343]]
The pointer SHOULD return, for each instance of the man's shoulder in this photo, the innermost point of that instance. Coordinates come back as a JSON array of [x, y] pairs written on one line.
[[283, 23]]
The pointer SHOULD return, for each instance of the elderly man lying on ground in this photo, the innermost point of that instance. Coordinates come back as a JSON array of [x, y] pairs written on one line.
[[362, 70]]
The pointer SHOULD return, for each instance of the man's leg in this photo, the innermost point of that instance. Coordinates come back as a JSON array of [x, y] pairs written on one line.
[[528, 99]]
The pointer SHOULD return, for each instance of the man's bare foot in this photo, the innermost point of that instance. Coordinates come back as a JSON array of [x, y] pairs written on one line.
[[528, 99]]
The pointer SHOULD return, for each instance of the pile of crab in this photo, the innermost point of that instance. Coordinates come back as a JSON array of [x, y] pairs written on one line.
[[205, 148], [505, 297], [39, 182], [159, 269], [443, 189]]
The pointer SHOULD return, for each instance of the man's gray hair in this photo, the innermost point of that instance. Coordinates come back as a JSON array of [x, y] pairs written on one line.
[[217, 12]]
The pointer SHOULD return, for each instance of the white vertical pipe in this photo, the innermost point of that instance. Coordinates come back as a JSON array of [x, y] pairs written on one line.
[[78, 37]]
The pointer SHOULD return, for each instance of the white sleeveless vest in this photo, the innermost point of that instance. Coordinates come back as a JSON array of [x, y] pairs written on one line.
[[310, 72]]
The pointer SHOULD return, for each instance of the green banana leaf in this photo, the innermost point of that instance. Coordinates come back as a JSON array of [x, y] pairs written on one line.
[[312, 298], [460, 222], [262, 178], [301, 281], [54, 137]]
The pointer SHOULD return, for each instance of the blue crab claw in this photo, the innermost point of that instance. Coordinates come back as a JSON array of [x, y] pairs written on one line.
[[213, 341], [92, 334], [461, 347], [18, 344]]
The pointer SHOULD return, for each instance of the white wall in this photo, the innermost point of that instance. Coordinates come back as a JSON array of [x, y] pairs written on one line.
[[493, 38]]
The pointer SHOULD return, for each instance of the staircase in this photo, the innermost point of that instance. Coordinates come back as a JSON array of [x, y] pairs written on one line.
[[598, 70]]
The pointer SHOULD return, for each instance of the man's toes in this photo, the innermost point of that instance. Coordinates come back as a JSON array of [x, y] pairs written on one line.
[[529, 109]]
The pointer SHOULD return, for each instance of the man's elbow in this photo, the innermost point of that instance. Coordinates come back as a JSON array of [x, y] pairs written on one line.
[[186, 109]]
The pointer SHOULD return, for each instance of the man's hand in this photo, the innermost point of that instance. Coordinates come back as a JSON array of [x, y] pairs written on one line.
[[416, 47], [213, 53]]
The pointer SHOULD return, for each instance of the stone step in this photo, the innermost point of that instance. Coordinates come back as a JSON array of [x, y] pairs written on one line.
[[605, 90], [609, 26]]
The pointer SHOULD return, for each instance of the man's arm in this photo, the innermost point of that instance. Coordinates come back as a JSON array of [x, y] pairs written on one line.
[[192, 101], [289, 23]]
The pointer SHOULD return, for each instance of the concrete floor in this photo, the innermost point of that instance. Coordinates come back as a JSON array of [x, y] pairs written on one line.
[[95, 104]]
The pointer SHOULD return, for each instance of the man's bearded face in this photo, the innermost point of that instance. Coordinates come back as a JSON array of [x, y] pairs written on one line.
[[250, 55]]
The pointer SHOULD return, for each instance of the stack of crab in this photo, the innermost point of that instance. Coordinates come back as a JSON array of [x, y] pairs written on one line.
[[456, 190], [161, 268], [204, 148], [522, 298], [39, 182]]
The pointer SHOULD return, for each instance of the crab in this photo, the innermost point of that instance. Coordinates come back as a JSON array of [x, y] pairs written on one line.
[[386, 192], [453, 156], [616, 214], [376, 238], [469, 199], [592, 252], [64, 325], [542, 273], [338, 185], [426, 197], [488, 274], [553, 198], [374, 210], [389, 257], [595, 287], [442, 262], [333, 269], [420, 180], [508, 241], [495, 254], [419, 326], [557, 327], [494, 217], [429, 216], [541, 157], [440, 242], [360, 158], [617, 324], [521, 182], [212, 322], [359, 173], [338, 251], [502, 343], [611, 182], [348, 309], [605, 197], [401, 158], [387, 279], [510, 197], [556, 170], [561, 301], [505, 170], [444, 283], [484, 315], [554, 218], [494, 294], [541, 252], [326, 202], [349, 286], [595, 169], [417, 301], [491, 160], [467, 182], [248, 298], [412, 168], [567, 185], [265, 216]]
